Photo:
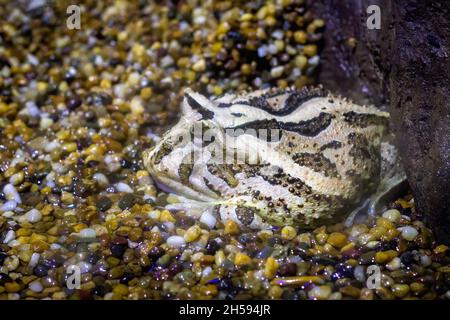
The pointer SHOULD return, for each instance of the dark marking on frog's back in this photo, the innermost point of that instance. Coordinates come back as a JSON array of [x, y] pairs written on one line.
[[364, 120], [331, 145], [308, 128], [206, 114], [245, 215], [318, 162], [294, 100]]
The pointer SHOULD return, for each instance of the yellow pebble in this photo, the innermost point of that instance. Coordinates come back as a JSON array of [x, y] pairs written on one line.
[[385, 256], [337, 239], [440, 249], [377, 231], [288, 233], [78, 227], [23, 232], [166, 216], [310, 50], [192, 233], [275, 292], [120, 289], [231, 227], [270, 268], [246, 69], [146, 93], [301, 62], [242, 259], [300, 36], [385, 223], [12, 287]]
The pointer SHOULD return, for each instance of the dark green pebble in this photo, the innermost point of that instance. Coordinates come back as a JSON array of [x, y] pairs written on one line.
[[127, 201], [104, 203], [367, 258]]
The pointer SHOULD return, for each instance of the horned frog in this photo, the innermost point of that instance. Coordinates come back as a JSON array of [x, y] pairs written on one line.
[[277, 157]]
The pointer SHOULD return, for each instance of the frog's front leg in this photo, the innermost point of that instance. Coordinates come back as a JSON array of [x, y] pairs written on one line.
[[243, 214]]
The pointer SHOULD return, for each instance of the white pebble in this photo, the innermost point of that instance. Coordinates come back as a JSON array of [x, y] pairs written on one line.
[[55, 246], [408, 233], [87, 233], [136, 106], [52, 146], [123, 187], [33, 216], [360, 273], [392, 215], [8, 206], [208, 219], [277, 71], [11, 193], [101, 179], [36, 286], [314, 61], [32, 109], [425, 260], [447, 294], [320, 292], [34, 260], [394, 264], [84, 266], [16, 178], [10, 235], [176, 241]]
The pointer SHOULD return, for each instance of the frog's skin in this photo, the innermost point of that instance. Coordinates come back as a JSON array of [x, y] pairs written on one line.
[[323, 157]]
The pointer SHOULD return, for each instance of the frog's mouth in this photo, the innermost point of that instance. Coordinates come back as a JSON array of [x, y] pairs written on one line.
[[167, 182], [169, 185]]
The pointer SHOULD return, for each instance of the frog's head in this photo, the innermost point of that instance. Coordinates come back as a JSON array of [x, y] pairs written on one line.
[[179, 161]]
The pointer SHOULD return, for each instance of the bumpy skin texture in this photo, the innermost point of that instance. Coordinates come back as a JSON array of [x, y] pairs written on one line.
[[406, 63], [281, 157]]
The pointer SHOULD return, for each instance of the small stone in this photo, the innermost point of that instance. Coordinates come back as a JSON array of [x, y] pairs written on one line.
[[300, 36], [440, 249], [11, 193], [123, 187], [127, 201], [385, 256], [320, 293], [337, 239], [10, 235], [17, 178], [231, 227], [400, 290], [87, 233], [277, 72], [192, 233], [408, 233], [12, 287], [208, 219], [33, 216], [136, 106], [199, 66], [120, 289], [104, 203], [296, 280], [175, 241], [392, 215], [270, 268], [394, 264], [288, 233], [36, 286], [350, 291], [242, 259]]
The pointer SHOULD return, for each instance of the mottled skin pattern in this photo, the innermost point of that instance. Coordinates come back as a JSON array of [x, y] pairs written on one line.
[[295, 157]]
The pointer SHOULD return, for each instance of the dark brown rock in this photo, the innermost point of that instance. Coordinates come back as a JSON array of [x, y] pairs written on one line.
[[406, 65]]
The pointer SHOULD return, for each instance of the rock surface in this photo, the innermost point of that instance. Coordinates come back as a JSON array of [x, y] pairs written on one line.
[[406, 65]]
